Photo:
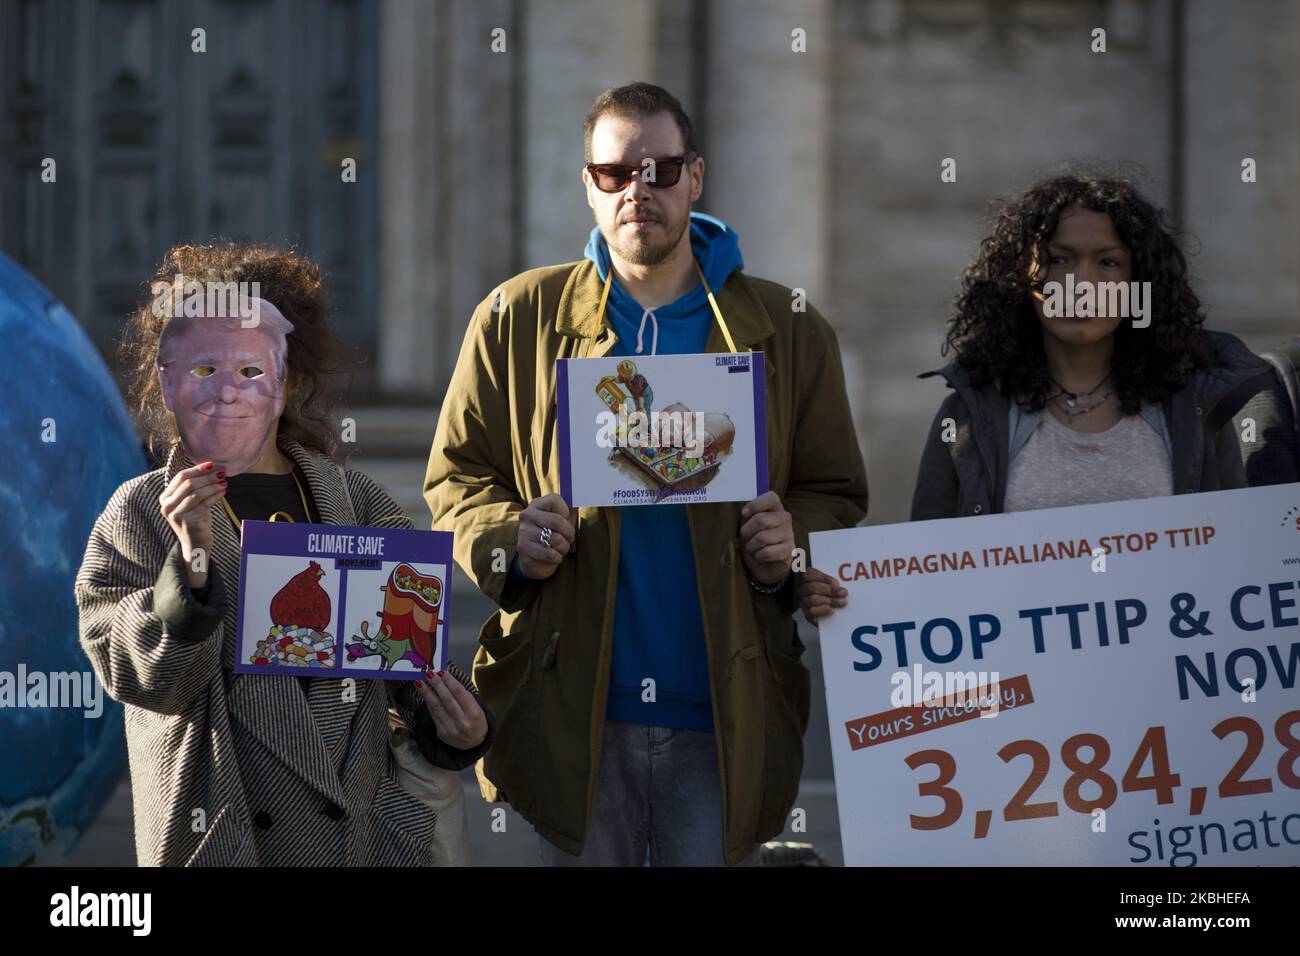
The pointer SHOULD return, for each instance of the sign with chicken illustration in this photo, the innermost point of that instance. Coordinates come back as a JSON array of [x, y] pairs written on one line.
[[678, 429], [338, 601]]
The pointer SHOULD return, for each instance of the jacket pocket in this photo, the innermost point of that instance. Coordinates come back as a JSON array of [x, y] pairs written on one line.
[[442, 791], [503, 674], [226, 842], [503, 663], [792, 677], [784, 650], [786, 704], [402, 826]]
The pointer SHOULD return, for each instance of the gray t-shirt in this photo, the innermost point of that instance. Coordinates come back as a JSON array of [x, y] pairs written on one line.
[[1059, 466]]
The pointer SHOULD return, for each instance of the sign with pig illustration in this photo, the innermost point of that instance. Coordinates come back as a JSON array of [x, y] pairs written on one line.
[[676, 429], [338, 601]]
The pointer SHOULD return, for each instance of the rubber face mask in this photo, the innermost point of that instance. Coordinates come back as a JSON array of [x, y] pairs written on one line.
[[225, 385]]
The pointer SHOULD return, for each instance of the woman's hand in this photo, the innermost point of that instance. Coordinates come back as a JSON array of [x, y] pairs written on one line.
[[456, 713], [820, 594], [186, 503]]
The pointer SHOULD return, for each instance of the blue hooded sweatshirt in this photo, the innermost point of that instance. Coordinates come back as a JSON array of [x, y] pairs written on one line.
[[658, 624]]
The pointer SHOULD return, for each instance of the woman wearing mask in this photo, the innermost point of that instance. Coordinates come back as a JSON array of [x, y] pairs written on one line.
[[234, 769], [1053, 405]]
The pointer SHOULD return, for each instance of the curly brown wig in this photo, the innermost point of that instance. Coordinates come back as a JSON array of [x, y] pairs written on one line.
[[996, 335], [290, 282]]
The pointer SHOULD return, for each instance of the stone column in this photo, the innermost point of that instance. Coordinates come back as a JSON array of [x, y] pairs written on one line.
[[410, 270], [1243, 101], [769, 122], [572, 51]]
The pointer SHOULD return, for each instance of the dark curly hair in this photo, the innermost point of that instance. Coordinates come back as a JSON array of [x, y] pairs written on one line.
[[996, 335], [286, 279]]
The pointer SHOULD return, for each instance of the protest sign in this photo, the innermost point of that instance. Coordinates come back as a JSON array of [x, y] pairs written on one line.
[[1110, 684], [681, 429], [340, 601]]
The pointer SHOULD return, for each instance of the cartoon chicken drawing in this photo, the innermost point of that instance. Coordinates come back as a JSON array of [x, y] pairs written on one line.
[[303, 602], [300, 613]]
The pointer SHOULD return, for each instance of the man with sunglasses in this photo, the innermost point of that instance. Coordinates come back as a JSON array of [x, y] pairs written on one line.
[[644, 666]]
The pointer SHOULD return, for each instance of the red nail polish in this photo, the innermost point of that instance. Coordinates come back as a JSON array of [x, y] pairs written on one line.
[[208, 466], [221, 475]]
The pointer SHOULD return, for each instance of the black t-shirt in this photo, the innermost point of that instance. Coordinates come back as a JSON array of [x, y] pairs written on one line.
[[256, 497]]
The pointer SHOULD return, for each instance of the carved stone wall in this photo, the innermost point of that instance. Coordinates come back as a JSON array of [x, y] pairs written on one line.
[[827, 161]]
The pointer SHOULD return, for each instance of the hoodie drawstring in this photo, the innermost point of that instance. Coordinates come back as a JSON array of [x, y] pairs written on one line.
[[654, 337]]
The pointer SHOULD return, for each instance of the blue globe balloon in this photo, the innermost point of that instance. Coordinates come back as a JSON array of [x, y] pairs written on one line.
[[68, 443]]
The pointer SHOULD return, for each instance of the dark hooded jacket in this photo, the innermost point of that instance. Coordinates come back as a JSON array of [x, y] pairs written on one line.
[[1205, 423]]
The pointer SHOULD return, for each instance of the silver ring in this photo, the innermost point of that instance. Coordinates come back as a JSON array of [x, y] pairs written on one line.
[[545, 537]]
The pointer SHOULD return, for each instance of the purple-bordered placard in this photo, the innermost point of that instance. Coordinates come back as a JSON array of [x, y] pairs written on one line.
[[760, 421], [562, 417], [581, 489], [284, 550]]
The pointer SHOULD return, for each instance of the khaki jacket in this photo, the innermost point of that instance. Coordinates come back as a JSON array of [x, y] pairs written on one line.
[[543, 663]]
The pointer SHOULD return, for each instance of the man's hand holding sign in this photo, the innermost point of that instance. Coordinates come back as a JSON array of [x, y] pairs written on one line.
[[547, 530], [766, 539]]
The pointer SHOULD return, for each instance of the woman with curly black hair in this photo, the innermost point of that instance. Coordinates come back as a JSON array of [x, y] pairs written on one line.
[[1057, 405]]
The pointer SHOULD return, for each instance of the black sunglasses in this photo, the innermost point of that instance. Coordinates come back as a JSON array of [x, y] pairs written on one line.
[[659, 173]]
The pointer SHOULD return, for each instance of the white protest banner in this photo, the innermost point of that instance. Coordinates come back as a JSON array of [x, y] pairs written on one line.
[[651, 429], [1110, 684]]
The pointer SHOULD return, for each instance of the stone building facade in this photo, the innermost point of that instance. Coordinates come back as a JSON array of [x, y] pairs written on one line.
[[823, 124]]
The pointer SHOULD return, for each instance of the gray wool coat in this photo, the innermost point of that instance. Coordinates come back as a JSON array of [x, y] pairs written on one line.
[[240, 769]]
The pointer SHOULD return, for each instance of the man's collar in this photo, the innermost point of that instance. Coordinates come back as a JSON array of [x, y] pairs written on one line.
[[579, 308]]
